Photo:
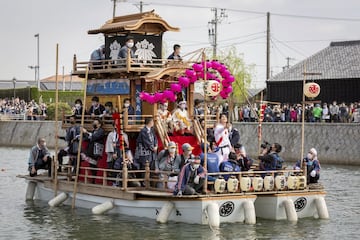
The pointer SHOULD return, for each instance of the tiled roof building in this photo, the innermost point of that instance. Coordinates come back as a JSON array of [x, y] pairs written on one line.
[[339, 65]]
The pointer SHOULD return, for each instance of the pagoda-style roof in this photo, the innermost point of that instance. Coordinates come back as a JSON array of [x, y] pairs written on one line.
[[142, 23]]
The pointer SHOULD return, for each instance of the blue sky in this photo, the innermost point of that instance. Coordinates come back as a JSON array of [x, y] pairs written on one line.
[[66, 22]]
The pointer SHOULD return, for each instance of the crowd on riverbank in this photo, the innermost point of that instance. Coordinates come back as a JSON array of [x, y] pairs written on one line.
[[332, 113], [19, 109]]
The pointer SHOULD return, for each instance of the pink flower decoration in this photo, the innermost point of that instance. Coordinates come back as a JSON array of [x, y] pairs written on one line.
[[231, 78], [225, 84], [190, 73], [184, 81], [208, 64], [168, 94], [198, 67], [226, 73], [145, 96], [215, 65], [200, 75], [193, 79], [158, 96], [210, 76], [223, 94], [228, 90], [172, 98], [175, 87], [151, 99]]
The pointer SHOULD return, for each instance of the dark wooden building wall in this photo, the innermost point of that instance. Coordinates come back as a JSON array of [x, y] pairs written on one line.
[[340, 90]]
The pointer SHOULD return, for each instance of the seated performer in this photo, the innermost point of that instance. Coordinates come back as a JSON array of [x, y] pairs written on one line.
[[165, 116], [180, 117]]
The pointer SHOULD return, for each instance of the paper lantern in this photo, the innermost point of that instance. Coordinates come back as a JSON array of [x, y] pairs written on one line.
[[212, 88], [311, 90]]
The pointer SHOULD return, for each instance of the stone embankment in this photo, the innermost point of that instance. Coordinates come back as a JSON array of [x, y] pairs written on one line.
[[335, 143]]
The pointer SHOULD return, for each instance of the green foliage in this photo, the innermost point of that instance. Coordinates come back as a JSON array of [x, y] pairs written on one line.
[[63, 108], [64, 96], [242, 73]]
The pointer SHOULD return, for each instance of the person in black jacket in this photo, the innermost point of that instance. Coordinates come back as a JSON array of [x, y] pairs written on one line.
[[96, 108], [234, 135], [146, 145], [95, 148], [72, 139]]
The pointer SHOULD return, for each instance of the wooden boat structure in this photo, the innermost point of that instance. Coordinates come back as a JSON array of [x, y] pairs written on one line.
[[281, 195]]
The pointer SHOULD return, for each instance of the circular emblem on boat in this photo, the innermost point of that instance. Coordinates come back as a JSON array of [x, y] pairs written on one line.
[[226, 209], [300, 204]]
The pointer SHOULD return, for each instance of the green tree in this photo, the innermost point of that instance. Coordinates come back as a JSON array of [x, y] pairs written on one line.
[[242, 73], [63, 108]]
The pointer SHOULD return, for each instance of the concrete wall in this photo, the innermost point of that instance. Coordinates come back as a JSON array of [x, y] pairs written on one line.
[[335, 143], [25, 133]]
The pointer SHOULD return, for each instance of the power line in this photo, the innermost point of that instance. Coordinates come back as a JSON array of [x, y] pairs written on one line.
[[262, 13], [286, 45]]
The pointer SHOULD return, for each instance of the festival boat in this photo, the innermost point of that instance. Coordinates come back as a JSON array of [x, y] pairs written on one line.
[[147, 81]]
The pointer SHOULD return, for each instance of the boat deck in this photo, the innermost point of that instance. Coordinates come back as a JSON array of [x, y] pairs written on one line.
[[143, 193]]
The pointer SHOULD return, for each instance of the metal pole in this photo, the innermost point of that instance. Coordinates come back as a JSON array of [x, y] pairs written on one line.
[[14, 82], [56, 163], [215, 34], [114, 7], [63, 78], [267, 45], [37, 67]]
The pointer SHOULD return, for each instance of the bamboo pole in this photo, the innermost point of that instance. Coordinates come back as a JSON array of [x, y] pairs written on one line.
[[260, 121], [205, 117], [303, 118], [56, 123], [81, 139]]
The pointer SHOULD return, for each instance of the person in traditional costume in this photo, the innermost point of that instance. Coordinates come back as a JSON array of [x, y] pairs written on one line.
[[180, 117], [165, 116], [222, 140]]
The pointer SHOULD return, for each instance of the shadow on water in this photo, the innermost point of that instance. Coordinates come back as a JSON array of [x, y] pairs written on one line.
[[36, 220]]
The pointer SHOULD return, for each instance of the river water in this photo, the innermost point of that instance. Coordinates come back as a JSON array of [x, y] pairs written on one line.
[[36, 220]]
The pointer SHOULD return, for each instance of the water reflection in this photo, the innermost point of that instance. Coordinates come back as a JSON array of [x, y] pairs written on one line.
[[36, 220]]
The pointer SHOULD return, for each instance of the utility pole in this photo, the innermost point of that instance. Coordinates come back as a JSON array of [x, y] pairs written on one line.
[[114, 5], [213, 28], [37, 67], [267, 46], [140, 6]]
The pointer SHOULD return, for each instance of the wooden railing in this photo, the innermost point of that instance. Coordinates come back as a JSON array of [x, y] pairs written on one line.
[[162, 132], [150, 178], [131, 123], [125, 65]]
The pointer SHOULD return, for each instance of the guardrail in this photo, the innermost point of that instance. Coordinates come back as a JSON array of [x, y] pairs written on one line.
[[21, 116]]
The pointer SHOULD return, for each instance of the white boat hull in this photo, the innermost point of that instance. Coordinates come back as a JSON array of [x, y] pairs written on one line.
[[273, 206], [187, 209]]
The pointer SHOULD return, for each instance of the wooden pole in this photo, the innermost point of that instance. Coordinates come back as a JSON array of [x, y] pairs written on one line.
[[81, 139], [303, 119], [121, 133], [205, 125], [56, 164], [260, 121]]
